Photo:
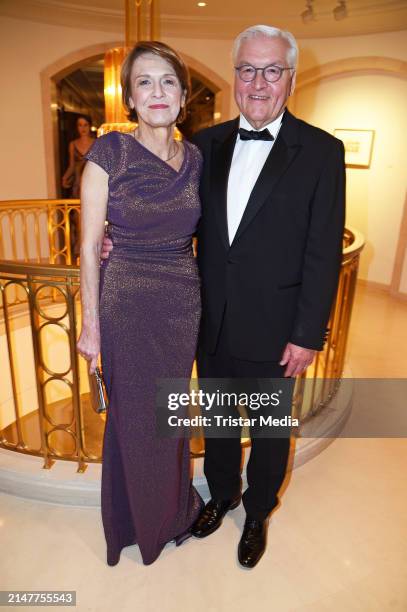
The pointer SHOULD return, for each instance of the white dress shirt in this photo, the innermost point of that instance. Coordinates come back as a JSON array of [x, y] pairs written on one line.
[[247, 161]]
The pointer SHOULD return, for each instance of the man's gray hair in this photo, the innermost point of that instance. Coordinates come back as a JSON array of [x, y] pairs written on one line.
[[270, 32]]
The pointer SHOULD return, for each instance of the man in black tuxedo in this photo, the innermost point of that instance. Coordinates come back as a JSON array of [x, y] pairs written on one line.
[[269, 254]]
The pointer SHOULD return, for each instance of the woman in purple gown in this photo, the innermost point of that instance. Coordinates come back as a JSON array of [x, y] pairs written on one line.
[[143, 313]]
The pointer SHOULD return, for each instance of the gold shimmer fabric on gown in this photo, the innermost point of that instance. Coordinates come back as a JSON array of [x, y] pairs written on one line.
[[149, 318]]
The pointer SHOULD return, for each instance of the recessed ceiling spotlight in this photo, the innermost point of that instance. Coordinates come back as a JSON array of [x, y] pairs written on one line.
[[340, 11], [201, 3], [308, 15]]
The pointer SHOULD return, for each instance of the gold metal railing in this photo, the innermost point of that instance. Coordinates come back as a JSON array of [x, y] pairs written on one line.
[[321, 380], [37, 230], [45, 395]]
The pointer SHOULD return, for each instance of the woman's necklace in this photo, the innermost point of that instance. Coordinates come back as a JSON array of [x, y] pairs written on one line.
[[176, 151], [171, 156]]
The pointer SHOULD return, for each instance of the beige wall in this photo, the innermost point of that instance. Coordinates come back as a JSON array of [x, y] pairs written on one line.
[[375, 196], [319, 51], [26, 48]]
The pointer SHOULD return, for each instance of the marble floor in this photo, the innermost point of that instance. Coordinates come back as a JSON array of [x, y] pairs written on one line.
[[337, 543]]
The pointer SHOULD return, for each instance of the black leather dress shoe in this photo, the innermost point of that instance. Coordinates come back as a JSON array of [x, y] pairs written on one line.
[[253, 542], [212, 516]]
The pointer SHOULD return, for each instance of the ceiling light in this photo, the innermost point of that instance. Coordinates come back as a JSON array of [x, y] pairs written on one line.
[[340, 11], [308, 15], [201, 3]]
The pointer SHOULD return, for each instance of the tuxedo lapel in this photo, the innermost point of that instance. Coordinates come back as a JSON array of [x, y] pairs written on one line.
[[281, 156], [222, 153]]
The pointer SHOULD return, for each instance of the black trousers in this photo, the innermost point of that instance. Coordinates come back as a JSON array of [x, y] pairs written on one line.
[[267, 464]]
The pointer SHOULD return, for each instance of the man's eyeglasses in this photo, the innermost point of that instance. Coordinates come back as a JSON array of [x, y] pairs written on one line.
[[270, 73]]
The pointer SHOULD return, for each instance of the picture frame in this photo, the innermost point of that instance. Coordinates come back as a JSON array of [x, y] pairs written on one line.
[[358, 146]]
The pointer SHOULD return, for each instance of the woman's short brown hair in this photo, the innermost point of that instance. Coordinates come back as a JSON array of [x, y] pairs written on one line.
[[167, 54]]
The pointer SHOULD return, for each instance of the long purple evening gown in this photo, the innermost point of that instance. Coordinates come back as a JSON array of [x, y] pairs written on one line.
[[149, 317]]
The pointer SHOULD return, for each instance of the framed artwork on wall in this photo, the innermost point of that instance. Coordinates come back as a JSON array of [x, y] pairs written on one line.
[[358, 147]]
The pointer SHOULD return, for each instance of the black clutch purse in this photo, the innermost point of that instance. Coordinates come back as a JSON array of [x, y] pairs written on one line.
[[98, 392]]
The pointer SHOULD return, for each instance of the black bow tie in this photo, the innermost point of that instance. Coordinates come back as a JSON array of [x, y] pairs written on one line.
[[253, 135]]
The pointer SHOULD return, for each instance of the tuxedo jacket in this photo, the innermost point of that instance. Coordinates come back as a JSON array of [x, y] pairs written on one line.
[[279, 276]]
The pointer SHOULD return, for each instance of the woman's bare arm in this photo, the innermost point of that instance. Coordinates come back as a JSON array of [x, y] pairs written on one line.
[[71, 168], [94, 196]]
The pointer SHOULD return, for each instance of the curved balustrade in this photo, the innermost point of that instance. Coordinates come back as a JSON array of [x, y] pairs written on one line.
[[46, 399]]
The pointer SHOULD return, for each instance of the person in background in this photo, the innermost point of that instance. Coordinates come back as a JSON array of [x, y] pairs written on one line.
[[73, 174], [77, 149]]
